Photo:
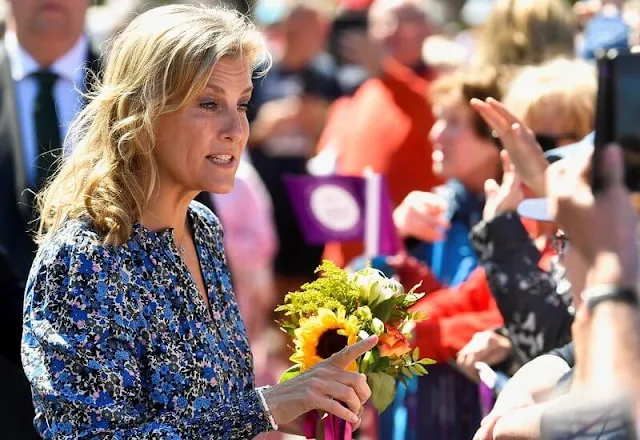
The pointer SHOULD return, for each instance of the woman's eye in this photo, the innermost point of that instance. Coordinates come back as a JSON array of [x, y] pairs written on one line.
[[245, 107], [209, 105]]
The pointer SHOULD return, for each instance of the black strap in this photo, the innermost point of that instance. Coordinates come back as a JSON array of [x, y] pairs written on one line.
[[599, 294]]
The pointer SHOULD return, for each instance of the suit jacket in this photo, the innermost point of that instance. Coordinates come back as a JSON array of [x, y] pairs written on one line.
[[16, 409], [15, 193]]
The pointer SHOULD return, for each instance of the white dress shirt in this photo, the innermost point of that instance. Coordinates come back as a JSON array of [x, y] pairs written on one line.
[[71, 71]]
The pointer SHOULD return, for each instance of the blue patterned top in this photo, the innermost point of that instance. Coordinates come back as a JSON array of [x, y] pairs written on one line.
[[118, 342]]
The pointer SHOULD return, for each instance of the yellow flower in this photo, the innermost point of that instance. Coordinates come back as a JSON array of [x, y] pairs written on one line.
[[320, 336]]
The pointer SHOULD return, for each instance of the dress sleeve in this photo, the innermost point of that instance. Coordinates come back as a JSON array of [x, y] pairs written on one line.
[[83, 353], [538, 318]]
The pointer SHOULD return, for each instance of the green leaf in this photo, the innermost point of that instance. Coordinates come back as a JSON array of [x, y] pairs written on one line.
[[383, 310], [427, 361], [416, 354], [407, 372], [291, 372], [384, 363], [383, 390], [420, 370]]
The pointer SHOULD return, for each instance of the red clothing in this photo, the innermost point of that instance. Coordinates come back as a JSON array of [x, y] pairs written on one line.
[[454, 315], [385, 126]]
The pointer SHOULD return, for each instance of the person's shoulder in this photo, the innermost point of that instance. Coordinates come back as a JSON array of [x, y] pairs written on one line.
[[74, 245]]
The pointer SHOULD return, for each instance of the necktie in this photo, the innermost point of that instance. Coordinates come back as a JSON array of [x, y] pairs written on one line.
[[47, 126]]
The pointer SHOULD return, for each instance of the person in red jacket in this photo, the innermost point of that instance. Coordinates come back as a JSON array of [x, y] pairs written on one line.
[[386, 124]]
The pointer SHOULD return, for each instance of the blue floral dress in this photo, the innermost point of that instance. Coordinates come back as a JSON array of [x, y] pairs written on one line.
[[118, 342]]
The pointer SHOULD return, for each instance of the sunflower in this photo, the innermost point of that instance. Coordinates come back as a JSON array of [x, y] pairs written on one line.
[[320, 336]]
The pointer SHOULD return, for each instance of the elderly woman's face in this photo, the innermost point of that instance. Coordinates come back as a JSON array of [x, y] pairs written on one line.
[[458, 151], [198, 147]]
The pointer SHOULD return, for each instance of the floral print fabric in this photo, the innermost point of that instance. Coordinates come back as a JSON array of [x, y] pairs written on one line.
[[118, 343], [536, 304]]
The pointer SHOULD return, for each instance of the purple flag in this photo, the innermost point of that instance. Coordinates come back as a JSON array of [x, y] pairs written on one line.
[[333, 208]]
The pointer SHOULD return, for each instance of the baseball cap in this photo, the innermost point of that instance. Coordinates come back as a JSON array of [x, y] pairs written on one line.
[[538, 208]]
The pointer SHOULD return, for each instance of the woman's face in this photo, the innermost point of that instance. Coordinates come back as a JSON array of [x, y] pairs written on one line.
[[198, 147], [458, 152]]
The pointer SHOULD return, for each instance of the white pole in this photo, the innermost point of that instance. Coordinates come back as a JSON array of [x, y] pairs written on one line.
[[372, 214]]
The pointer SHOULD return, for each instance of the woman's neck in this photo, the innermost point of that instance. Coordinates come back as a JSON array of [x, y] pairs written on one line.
[[168, 209], [475, 181]]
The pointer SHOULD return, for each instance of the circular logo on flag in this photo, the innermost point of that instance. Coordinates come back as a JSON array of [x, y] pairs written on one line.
[[334, 207]]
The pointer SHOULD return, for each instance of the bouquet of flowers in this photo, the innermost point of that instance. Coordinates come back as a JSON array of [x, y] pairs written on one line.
[[339, 309]]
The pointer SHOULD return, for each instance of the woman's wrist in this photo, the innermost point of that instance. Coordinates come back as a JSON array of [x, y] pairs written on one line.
[[261, 391]]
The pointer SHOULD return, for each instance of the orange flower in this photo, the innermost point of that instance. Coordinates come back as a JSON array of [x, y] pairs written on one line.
[[393, 343]]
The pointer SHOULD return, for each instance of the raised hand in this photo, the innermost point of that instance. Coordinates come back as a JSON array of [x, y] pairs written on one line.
[[524, 151], [506, 196], [602, 227], [323, 387]]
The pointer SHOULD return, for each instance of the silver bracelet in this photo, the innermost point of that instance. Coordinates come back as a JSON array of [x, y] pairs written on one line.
[[263, 401]]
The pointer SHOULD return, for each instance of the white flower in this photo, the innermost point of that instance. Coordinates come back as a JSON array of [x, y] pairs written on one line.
[[377, 326], [374, 287]]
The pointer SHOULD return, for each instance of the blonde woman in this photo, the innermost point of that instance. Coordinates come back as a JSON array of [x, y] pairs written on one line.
[[521, 32], [131, 329], [556, 100]]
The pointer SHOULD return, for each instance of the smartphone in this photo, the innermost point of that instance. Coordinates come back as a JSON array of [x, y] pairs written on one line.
[[618, 114], [347, 21]]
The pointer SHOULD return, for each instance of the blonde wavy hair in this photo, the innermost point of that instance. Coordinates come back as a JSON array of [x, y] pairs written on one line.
[[522, 32], [157, 64], [562, 87]]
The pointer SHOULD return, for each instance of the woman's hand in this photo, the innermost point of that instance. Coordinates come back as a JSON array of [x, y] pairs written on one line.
[[505, 197], [323, 387], [524, 151], [488, 347], [602, 228], [422, 215]]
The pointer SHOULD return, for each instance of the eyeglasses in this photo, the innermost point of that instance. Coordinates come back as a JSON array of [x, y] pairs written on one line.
[[560, 243], [549, 142]]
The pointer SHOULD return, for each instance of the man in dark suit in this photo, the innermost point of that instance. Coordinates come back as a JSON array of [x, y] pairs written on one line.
[[44, 62]]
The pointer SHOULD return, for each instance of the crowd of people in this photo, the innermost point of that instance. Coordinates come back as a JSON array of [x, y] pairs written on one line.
[[481, 121]]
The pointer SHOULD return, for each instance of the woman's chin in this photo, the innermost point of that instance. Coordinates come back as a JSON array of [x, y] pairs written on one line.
[[220, 187]]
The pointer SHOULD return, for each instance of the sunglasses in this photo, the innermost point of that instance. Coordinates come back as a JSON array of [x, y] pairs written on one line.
[[560, 243], [549, 142], [546, 141]]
